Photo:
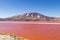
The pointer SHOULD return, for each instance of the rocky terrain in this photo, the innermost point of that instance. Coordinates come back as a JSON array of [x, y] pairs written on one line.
[[31, 17]]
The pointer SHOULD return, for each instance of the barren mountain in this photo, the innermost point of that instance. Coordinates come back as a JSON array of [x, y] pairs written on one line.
[[31, 17]]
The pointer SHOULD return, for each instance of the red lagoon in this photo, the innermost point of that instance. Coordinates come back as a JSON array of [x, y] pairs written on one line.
[[32, 31]]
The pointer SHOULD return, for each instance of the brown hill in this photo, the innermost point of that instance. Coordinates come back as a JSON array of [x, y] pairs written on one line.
[[31, 17]]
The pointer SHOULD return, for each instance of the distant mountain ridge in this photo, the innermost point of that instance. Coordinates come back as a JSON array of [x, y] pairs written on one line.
[[31, 17]]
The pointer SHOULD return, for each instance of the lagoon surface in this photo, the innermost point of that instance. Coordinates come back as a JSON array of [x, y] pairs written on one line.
[[32, 31]]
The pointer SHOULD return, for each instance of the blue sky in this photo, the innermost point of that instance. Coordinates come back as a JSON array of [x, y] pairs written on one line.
[[15, 7]]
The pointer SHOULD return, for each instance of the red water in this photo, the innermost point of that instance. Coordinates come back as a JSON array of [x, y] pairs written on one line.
[[32, 31]]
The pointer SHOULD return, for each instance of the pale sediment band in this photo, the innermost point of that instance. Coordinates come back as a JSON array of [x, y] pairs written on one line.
[[17, 22]]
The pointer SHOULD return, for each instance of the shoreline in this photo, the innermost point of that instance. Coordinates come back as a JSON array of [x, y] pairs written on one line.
[[28, 22]]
